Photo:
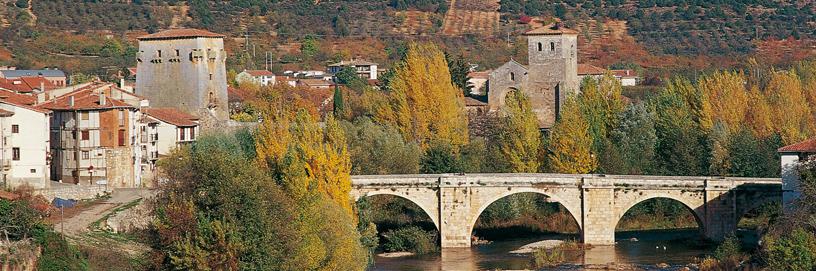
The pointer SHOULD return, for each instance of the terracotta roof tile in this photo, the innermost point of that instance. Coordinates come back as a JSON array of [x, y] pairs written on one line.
[[24, 101], [586, 69], [259, 73], [471, 101], [84, 99], [6, 113], [624, 73], [181, 34], [808, 146], [355, 62], [26, 84], [172, 116]]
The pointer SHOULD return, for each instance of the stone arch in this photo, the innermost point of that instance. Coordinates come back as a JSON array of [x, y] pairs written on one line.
[[574, 211], [696, 209], [755, 202], [431, 212]]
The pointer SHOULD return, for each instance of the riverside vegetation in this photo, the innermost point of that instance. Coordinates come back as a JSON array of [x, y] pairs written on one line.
[[276, 197]]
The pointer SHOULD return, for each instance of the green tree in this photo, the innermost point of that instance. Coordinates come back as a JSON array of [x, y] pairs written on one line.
[[380, 149], [309, 47], [635, 140], [459, 70], [339, 107], [681, 145], [792, 251]]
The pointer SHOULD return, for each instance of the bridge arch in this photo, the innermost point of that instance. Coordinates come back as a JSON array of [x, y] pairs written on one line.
[[694, 207], [572, 209], [427, 207]]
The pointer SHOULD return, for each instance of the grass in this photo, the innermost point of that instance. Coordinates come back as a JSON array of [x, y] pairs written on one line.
[[96, 224]]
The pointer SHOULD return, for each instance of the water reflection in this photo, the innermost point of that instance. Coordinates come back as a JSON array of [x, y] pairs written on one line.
[[681, 247]]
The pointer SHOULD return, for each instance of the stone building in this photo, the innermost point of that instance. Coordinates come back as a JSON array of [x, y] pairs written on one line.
[[551, 73], [185, 69], [93, 138]]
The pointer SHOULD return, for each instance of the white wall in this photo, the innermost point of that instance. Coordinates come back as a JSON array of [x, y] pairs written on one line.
[[790, 178], [33, 142]]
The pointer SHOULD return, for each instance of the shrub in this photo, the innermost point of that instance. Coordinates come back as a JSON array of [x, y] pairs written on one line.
[[730, 247], [412, 239], [543, 257], [793, 252]]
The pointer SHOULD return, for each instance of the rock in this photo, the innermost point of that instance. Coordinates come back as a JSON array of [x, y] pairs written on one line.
[[685, 268], [633, 239], [395, 254], [529, 248], [137, 217], [663, 265]]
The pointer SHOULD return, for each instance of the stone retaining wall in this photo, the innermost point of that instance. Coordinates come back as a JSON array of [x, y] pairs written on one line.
[[75, 192]]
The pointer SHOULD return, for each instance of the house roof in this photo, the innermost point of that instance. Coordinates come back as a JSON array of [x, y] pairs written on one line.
[[26, 84], [355, 62], [475, 101], [6, 113], [624, 73], [807, 146], [586, 69], [24, 101], [21, 73], [171, 115], [551, 29], [479, 75], [84, 99], [184, 33], [315, 82], [132, 71], [259, 72]]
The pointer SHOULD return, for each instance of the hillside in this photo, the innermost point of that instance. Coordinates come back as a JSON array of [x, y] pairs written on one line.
[[649, 33]]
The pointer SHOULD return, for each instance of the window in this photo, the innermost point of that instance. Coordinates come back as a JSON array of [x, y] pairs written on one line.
[[540, 47], [181, 134], [512, 76], [211, 77], [33, 170], [86, 135], [121, 117], [158, 53], [178, 53], [85, 115], [121, 137], [15, 128], [86, 155], [15, 154], [552, 46], [192, 133]]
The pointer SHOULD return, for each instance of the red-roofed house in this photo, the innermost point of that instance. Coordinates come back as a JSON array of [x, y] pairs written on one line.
[[478, 81], [162, 130], [626, 77], [259, 77], [94, 139], [27, 84], [25, 145], [791, 157], [586, 70]]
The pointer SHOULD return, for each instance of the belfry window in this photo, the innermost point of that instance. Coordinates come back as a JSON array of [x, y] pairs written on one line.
[[540, 47], [512, 76], [552, 46]]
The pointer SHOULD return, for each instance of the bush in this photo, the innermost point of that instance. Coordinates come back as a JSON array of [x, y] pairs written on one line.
[[793, 252], [730, 247], [543, 257], [411, 239]]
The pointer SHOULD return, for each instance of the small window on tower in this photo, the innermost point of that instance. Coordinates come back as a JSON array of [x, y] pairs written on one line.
[[552, 46], [178, 53], [512, 76], [158, 53], [211, 77], [540, 47]]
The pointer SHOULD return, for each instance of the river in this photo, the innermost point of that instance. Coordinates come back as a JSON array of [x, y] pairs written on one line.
[[681, 247]]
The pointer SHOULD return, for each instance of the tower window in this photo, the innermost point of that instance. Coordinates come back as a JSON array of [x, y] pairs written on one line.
[[552, 46], [512, 76], [158, 53], [540, 47], [178, 53], [211, 77]]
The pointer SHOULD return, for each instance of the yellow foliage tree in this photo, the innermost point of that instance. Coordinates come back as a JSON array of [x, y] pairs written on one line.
[[728, 99], [790, 113], [699, 104], [759, 117], [570, 149], [425, 105], [519, 138]]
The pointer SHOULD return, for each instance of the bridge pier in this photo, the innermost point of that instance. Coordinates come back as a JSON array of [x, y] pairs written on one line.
[[455, 208], [720, 211], [597, 205]]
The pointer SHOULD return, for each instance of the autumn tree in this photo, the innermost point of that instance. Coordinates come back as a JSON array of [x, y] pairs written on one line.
[[570, 144], [790, 112], [728, 99], [519, 138], [423, 102], [681, 147]]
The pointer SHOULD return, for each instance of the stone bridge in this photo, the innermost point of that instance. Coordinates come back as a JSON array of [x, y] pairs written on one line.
[[597, 202]]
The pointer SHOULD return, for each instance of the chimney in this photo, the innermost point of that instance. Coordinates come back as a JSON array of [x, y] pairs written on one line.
[[42, 86], [40, 97], [71, 101], [102, 98], [122, 83]]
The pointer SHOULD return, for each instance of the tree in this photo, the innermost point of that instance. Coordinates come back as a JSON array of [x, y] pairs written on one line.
[[519, 138], [727, 96], [790, 113], [380, 149], [440, 158], [459, 70], [423, 102], [348, 76], [309, 48], [339, 107], [635, 140], [570, 144], [681, 146]]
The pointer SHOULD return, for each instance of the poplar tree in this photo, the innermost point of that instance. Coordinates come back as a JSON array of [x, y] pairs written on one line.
[[425, 104], [519, 139], [728, 99], [790, 113], [570, 145]]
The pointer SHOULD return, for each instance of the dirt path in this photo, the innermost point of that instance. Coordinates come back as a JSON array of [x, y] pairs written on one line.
[[30, 10], [80, 222]]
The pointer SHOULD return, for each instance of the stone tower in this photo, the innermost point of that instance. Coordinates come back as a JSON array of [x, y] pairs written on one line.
[[553, 69], [185, 69]]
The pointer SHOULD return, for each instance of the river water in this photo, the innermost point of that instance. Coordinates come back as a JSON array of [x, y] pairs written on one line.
[[681, 247]]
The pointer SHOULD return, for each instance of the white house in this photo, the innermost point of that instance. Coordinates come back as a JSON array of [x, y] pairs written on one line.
[[791, 157], [162, 130], [594, 72], [478, 82], [366, 70], [24, 146], [260, 77], [626, 77]]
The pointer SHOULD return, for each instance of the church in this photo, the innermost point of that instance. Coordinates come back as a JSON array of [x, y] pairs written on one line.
[[551, 74]]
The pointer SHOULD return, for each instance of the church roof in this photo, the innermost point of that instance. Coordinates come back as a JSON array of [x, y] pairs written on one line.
[[551, 29], [180, 34]]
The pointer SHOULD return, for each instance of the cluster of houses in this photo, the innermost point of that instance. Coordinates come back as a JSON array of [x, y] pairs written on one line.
[[314, 79]]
